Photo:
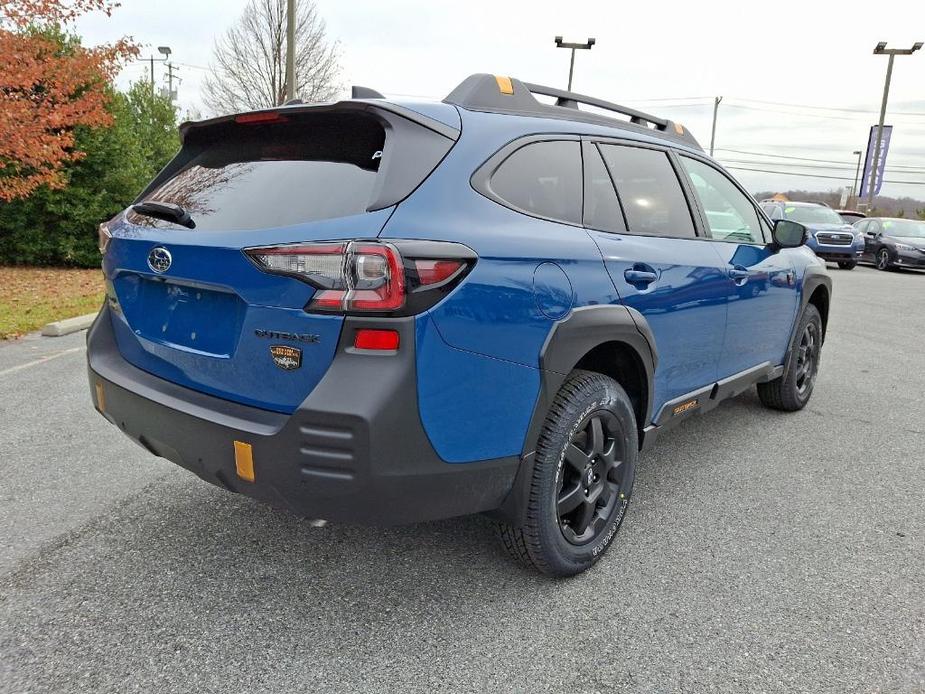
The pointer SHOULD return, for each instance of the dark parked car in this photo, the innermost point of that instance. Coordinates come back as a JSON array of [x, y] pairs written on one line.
[[851, 216], [891, 243]]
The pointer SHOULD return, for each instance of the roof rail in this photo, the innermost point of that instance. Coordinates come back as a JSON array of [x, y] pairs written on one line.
[[482, 92]]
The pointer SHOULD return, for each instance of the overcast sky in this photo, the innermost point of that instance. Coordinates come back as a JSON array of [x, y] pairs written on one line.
[[669, 58]]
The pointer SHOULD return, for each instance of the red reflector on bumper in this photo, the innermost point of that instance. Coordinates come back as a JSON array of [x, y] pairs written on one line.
[[384, 340]]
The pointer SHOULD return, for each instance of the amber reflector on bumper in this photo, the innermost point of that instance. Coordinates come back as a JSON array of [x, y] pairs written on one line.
[[244, 460], [100, 398]]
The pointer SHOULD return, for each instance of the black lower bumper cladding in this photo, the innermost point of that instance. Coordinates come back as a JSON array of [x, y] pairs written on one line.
[[354, 451]]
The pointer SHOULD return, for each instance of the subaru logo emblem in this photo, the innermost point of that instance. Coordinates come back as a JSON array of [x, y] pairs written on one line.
[[159, 259]]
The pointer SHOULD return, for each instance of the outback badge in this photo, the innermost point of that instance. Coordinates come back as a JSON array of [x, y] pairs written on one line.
[[285, 357]]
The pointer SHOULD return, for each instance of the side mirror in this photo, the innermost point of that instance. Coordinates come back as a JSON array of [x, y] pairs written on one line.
[[788, 234]]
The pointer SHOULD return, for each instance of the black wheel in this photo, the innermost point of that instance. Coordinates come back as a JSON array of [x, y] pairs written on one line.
[[847, 264], [792, 391], [582, 478], [883, 259]]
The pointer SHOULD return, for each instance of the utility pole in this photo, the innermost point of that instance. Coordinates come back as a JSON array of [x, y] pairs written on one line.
[[164, 51], [716, 103], [857, 174], [290, 50], [881, 49], [171, 68], [574, 47]]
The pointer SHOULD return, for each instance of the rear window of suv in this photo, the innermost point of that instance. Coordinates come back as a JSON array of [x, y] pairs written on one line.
[[303, 168]]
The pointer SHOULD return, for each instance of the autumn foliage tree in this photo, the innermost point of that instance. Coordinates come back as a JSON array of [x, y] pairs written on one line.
[[48, 89]]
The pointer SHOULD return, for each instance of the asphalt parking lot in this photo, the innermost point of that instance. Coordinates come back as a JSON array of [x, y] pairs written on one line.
[[762, 552]]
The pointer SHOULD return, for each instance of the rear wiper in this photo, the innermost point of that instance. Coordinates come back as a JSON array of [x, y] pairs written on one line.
[[165, 210]]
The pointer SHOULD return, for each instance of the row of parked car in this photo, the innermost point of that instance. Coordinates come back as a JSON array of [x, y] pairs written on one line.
[[849, 238]]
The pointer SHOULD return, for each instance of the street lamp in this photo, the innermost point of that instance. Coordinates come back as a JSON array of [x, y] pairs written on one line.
[[574, 47], [881, 49]]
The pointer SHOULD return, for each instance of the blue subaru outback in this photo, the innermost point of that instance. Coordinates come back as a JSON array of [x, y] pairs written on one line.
[[831, 237], [385, 312]]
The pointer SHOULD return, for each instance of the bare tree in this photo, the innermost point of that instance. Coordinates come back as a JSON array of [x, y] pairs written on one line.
[[248, 69]]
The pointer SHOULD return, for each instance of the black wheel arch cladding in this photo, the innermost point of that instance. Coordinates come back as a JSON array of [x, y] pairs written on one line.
[[572, 339]]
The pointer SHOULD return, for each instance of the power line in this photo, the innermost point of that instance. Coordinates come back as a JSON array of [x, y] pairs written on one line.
[[840, 109], [828, 108], [840, 164], [809, 175], [812, 166], [819, 116], [671, 98]]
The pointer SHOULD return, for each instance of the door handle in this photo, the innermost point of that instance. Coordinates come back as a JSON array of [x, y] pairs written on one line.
[[640, 276], [738, 274]]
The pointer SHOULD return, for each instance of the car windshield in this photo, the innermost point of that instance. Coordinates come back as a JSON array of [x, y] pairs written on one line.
[[906, 228], [812, 215]]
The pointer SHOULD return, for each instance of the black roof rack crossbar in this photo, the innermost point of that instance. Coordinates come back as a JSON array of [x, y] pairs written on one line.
[[571, 100]]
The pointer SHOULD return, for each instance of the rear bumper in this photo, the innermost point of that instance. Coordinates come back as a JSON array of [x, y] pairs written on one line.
[[354, 451]]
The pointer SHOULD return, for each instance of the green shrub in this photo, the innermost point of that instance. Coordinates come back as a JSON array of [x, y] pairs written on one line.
[[58, 227]]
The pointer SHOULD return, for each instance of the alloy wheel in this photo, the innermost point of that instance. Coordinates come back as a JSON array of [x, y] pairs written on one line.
[[590, 479], [807, 359], [883, 260]]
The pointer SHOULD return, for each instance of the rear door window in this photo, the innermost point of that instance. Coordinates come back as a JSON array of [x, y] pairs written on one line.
[[542, 179], [650, 191]]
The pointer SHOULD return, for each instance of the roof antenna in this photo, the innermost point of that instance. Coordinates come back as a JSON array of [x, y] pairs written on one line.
[[357, 92]]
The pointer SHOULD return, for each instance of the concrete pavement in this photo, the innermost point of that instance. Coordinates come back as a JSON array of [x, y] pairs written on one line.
[[762, 552]]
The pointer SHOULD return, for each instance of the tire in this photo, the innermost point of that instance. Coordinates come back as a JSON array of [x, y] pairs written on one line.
[[793, 390], [582, 470], [847, 264], [882, 259]]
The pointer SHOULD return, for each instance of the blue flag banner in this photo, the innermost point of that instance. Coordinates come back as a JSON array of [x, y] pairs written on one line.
[[874, 166]]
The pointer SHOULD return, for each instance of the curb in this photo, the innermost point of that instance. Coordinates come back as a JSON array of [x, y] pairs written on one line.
[[68, 325]]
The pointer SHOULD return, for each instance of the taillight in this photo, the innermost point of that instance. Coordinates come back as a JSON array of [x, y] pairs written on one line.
[[369, 277], [431, 272]]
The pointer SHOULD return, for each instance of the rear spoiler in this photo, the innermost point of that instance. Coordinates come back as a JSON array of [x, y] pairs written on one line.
[[371, 104]]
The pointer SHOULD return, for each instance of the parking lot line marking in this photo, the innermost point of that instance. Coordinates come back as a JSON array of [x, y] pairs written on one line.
[[14, 369]]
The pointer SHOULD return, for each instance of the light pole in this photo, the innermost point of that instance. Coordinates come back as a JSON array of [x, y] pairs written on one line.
[[881, 49], [574, 47], [716, 103], [857, 174], [290, 50]]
